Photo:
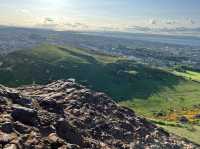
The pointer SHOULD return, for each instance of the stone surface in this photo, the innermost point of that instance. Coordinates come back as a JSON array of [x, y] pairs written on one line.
[[24, 115], [66, 115]]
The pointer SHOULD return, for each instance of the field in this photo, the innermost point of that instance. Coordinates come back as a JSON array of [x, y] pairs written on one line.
[[179, 99], [152, 93], [191, 75]]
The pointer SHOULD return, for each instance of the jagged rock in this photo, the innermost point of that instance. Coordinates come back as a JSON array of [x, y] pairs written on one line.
[[21, 128], [183, 119], [22, 101], [66, 131], [6, 138], [55, 141], [66, 115], [11, 146], [197, 116], [24, 115], [51, 106], [7, 127]]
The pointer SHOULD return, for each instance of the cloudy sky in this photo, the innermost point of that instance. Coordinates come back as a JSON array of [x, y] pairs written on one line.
[[168, 16]]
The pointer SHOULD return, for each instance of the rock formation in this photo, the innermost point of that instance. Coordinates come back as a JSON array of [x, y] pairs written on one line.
[[67, 115]]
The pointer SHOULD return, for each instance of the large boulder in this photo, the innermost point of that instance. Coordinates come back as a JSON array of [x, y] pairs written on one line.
[[24, 115], [68, 132]]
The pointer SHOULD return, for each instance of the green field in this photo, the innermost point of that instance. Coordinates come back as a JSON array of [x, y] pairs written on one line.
[[183, 96], [191, 75], [151, 92]]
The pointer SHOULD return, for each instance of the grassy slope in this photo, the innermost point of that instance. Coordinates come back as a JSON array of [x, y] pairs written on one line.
[[191, 75], [181, 97], [146, 90], [190, 132]]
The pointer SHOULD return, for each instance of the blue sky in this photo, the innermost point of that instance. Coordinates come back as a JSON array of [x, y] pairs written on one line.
[[102, 14]]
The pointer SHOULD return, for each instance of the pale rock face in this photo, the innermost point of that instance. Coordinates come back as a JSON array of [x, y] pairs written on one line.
[[64, 114]]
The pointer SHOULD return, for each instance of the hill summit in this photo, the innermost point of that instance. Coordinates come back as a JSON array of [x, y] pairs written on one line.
[[67, 115]]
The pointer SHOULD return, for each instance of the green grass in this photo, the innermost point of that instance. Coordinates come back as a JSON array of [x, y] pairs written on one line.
[[186, 94], [189, 132], [191, 75]]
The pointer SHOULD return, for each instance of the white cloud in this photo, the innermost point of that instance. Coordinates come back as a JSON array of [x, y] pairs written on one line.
[[48, 20], [158, 26], [55, 24], [170, 22], [48, 23], [24, 11], [153, 21], [166, 30], [191, 21], [138, 28]]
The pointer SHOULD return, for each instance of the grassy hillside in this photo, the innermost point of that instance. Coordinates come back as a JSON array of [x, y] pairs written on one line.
[[184, 96], [147, 90], [191, 75], [187, 131], [151, 92], [132, 84]]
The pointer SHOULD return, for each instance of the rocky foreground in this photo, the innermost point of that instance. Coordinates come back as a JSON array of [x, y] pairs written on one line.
[[66, 115]]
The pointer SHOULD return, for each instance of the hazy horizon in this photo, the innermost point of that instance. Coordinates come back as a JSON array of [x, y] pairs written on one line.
[[180, 17]]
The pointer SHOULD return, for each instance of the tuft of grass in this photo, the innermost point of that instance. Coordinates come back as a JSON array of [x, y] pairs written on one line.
[[167, 123]]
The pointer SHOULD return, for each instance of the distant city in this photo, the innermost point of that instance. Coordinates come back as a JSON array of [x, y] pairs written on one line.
[[155, 50]]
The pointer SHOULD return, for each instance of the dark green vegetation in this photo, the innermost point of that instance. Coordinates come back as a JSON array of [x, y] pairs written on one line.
[[119, 78], [151, 92]]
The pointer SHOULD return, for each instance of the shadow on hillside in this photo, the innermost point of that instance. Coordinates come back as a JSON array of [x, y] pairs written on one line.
[[117, 81], [122, 80], [88, 58]]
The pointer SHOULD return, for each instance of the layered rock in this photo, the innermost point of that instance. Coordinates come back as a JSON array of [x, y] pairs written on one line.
[[67, 115]]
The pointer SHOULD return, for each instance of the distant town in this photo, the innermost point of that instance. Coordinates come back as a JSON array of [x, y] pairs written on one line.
[[161, 54]]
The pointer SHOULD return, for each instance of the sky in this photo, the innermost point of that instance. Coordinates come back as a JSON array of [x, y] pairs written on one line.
[[162, 16]]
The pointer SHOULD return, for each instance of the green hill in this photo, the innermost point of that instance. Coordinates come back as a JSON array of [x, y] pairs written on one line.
[[148, 90], [154, 93], [118, 77]]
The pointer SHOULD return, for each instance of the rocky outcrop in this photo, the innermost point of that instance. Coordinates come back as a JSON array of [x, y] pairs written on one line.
[[66, 115]]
